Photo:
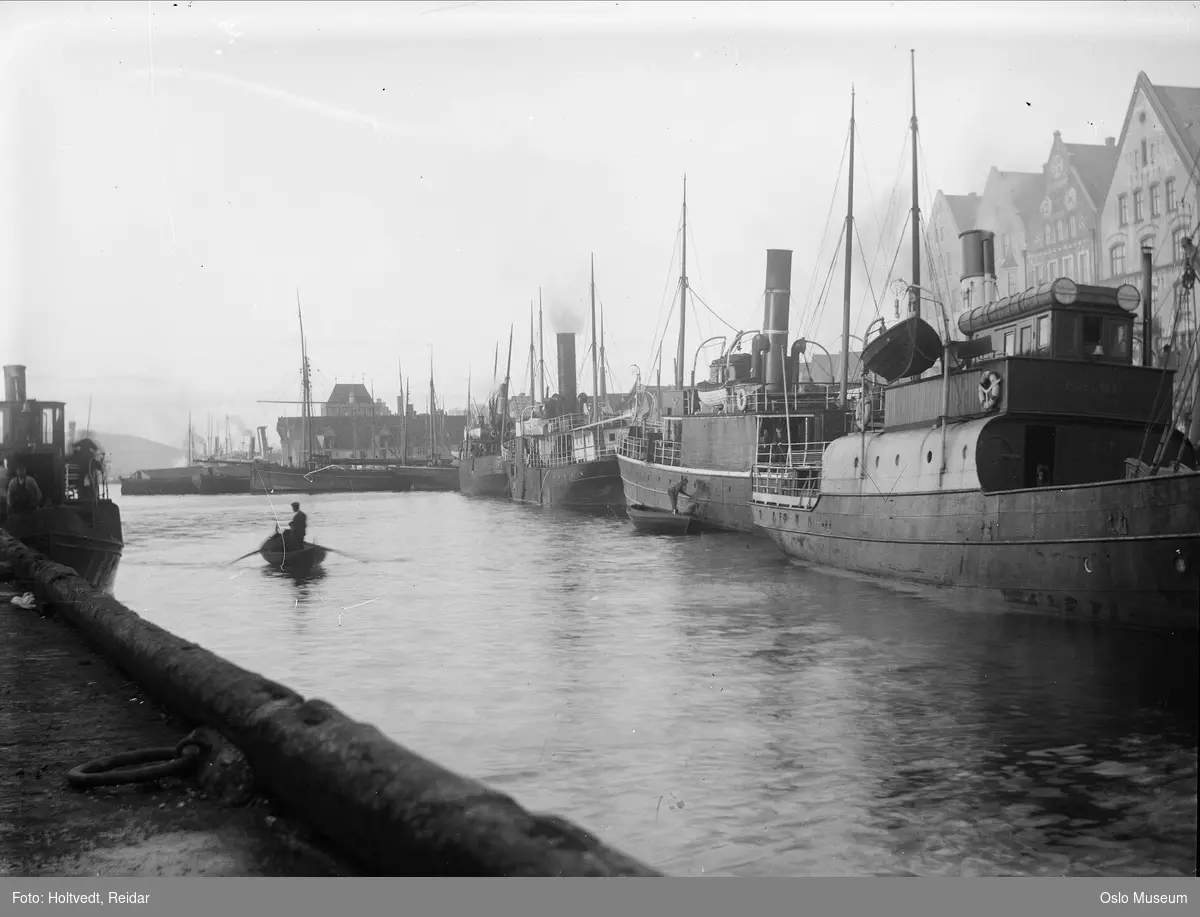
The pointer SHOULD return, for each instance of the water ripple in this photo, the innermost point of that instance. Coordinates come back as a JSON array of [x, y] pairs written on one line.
[[698, 702]]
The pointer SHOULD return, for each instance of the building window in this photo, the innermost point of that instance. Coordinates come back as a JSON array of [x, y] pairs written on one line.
[[1012, 282], [1116, 260], [1143, 151], [1177, 244], [1137, 206], [1171, 202], [1007, 245], [1155, 209], [1072, 227], [1122, 210], [1049, 234], [1068, 266], [1085, 268], [1052, 271], [1059, 234], [1040, 275]]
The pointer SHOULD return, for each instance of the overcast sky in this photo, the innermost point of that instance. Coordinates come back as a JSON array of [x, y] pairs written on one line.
[[174, 172]]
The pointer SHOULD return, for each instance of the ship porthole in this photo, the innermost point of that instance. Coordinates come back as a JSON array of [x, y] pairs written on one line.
[[877, 461], [897, 463], [964, 453], [856, 463], [929, 457], [1087, 564]]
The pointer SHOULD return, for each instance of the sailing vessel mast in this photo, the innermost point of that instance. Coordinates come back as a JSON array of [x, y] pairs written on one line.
[[603, 390], [432, 410], [683, 285], [307, 386], [849, 252], [541, 349], [507, 381], [595, 352], [916, 207], [532, 357]]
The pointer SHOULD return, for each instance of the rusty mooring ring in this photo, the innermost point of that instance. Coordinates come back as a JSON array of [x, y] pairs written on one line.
[[121, 769]]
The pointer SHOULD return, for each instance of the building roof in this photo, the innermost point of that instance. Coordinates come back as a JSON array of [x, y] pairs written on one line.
[[1025, 190], [1182, 105], [964, 208], [1179, 109], [342, 391], [1094, 164]]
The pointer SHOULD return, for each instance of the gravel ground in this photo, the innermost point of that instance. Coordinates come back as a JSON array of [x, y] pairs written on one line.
[[62, 705]]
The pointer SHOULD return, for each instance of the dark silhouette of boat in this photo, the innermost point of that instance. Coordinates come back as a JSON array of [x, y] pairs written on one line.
[[276, 552], [661, 522], [76, 524]]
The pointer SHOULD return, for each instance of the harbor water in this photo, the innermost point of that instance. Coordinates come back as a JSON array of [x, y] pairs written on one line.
[[698, 702]]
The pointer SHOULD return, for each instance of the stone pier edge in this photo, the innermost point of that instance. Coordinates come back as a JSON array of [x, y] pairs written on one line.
[[393, 811]]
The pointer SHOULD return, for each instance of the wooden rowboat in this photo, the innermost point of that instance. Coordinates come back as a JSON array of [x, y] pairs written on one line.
[[274, 553], [660, 522]]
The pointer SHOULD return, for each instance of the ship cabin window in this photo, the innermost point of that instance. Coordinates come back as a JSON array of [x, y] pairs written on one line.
[[1118, 341], [1066, 334], [1010, 343], [1093, 335], [1043, 334], [1026, 339]]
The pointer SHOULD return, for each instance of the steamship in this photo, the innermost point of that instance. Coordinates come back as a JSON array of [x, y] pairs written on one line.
[[568, 456], [1040, 468], [481, 468], [77, 525], [724, 427]]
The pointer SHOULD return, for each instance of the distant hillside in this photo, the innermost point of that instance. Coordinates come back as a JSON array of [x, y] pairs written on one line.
[[127, 454]]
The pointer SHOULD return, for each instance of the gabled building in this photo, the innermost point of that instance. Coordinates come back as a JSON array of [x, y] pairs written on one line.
[[1063, 236], [1152, 200], [952, 214], [1009, 199]]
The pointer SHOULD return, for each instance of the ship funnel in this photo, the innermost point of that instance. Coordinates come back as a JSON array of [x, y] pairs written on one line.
[[14, 383], [566, 371], [262, 437], [776, 311], [978, 280]]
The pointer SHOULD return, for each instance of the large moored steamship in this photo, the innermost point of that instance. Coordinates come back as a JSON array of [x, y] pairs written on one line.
[[1041, 467]]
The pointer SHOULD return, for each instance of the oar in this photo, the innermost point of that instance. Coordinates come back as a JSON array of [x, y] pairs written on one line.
[[244, 556], [344, 554]]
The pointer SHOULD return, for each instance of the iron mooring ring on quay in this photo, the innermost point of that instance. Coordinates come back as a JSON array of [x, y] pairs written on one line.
[[155, 763]]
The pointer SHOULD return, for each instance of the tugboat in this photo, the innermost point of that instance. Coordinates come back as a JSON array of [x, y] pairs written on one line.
[[481, 470], [75, 524]]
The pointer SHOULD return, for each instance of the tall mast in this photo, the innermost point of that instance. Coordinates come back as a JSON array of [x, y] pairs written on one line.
[[683, 284], [190, 458], [532, 358], [432, 407], [541, 348], [603, 390], [849, 252], [595, 351], [507, 381], [404, 429], [306, 382], [467, 425], [916, 207]]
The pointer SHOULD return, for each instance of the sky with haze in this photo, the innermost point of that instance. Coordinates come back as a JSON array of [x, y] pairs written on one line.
[[173, 173]]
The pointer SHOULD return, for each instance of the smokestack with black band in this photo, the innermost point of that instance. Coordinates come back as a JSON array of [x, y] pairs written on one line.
[[988, 242], [566, 370], [14, 383], [974, 273], [776, 312]]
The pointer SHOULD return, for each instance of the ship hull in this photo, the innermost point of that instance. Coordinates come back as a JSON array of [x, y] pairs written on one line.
[[431, 477], [592, 486], [1125, 552], [483, 476], [209, 484], [83, 536], [296, 480], [720, 499]]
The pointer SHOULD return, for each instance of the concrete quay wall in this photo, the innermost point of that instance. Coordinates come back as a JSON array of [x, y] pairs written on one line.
[[392, 811]]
